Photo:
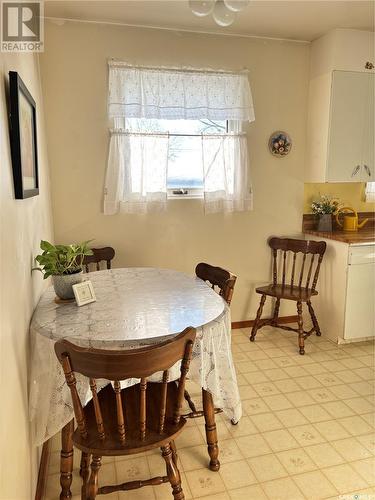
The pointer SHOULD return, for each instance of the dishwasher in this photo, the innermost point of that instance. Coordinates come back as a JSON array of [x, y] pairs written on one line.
[[360, 293]]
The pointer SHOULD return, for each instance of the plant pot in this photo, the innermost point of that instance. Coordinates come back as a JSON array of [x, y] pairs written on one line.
[[63, 284], [325, 223]]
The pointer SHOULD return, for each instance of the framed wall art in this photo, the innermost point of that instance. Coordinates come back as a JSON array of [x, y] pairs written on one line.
[[279, 144], [23, 140]]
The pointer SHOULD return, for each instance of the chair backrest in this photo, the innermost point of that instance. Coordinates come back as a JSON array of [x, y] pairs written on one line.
[[219, 277], [121, 365], [99, 255], [301, 273]]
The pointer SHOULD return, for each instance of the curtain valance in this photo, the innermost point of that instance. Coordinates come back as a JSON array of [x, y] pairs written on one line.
[[138, 92]]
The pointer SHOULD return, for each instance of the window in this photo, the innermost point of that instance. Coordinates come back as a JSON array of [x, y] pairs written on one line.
[[169, 134], [370, 192], [185, 167]]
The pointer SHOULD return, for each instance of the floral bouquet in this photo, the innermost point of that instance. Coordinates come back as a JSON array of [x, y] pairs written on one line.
[[325, 205], [323, 209]]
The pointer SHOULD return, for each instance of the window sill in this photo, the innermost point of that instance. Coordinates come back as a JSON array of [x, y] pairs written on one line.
[[185, 194], [184, 198]]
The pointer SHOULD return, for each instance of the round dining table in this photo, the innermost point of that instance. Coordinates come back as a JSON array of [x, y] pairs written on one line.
[[134, 307]]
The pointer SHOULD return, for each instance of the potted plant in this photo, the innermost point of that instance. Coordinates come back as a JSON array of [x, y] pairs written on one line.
[[64, 264], [323, 209]]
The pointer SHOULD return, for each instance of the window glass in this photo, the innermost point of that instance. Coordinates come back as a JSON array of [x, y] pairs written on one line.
[[185, 148]]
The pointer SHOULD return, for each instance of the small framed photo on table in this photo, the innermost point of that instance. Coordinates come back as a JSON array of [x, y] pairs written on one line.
[[84, 293]]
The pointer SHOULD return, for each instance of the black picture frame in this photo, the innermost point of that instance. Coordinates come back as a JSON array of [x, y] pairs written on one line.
[[23, 138]]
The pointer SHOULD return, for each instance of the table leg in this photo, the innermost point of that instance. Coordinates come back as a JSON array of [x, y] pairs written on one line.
[[66, 460], [211, 432]]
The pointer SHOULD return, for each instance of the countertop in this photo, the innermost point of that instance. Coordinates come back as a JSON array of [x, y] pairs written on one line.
[[362, 236]]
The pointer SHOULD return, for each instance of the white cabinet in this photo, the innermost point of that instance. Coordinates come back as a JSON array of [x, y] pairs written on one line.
[[340, 123], [360, 293], [369, 146], [350, 155], [345, 306]]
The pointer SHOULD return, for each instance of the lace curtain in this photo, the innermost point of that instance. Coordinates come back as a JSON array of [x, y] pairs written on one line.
[[137, 172], [370, 191], [225, 168], [177, 94], [136, 179]]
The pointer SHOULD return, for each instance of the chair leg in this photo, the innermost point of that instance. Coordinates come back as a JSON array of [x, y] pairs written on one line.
[[84, 463], [257, 319], [66, 460], [81, 465], [84, 472], [276, 312], [173, 473], [190, 402], [92, 487], [211, 431], [174, 452], [301, 340], [314, 319]]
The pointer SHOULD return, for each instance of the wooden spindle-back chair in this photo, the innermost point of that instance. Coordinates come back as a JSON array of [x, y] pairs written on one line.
[[221, 278], [126, 421], [224, 282], [295, 270], [105, 254]]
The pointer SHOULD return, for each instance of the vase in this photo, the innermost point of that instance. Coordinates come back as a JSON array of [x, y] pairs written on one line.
[[63, 284], [325, 223]]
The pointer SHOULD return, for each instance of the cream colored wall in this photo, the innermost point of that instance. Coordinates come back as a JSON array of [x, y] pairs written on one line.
[[74, 76], [349, 193], [23, 223]]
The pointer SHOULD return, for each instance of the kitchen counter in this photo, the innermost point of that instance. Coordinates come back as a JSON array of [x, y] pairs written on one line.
[[362, 236]]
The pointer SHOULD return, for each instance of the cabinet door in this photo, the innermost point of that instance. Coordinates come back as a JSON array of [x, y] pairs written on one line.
[[360, 302], [368, 172], [348, 113]]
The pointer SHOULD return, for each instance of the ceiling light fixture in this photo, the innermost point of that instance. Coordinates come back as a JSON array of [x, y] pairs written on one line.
[[236, 5], [223, 11], [201, 8]]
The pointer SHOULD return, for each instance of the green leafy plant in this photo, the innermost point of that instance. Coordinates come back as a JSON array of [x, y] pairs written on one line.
[[57, 260], [325, 205]]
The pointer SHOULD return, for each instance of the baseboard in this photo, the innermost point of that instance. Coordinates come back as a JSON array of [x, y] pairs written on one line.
[[249, 323], [43, 471]]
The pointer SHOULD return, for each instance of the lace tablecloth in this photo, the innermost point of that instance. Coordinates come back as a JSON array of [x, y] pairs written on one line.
[[135, 307]]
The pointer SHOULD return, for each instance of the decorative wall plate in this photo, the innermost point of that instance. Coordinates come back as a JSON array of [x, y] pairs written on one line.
[[280, 143]]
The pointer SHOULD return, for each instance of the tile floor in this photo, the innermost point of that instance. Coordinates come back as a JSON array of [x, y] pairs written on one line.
[[307, 430]]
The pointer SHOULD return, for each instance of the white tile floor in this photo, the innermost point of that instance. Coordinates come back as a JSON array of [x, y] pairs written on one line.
[[307, 430]]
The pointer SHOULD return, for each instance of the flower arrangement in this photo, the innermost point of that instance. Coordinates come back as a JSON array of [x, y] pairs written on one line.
[[325, 205]]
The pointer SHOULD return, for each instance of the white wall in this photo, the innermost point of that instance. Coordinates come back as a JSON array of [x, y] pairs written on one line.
[[23, 224], [74, 76]]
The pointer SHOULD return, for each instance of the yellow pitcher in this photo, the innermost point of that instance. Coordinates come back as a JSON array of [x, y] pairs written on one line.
[[350, 220]]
